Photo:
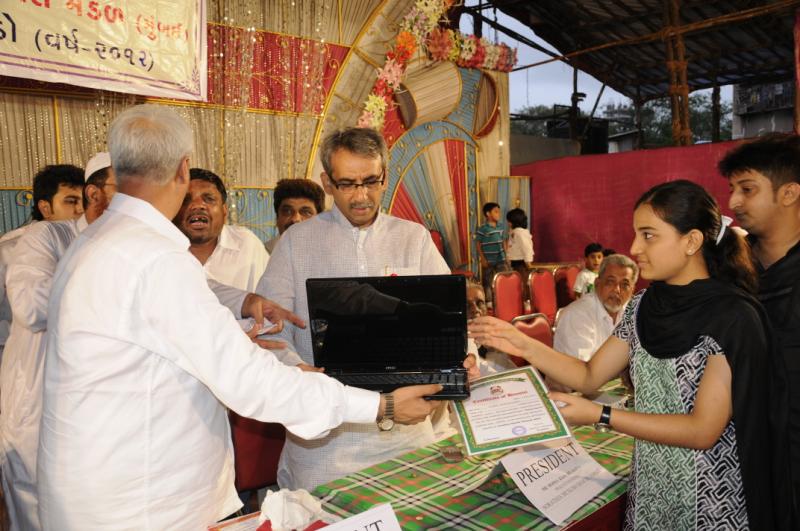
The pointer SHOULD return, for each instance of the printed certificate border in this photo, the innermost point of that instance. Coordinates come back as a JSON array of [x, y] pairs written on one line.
[[561, 429]]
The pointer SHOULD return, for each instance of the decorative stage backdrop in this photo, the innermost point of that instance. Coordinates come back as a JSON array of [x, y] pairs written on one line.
[[281, 74], [577, 200]]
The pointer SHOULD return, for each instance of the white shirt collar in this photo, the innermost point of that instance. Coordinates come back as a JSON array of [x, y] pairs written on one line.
[[345, 223], [227, 239], [147, 214], [601, 310]]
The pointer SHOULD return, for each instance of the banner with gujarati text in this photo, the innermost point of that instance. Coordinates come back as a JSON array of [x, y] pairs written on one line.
[[148, 47]]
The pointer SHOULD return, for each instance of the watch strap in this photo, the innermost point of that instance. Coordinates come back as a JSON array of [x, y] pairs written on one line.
[[605, 416], [388, 411]]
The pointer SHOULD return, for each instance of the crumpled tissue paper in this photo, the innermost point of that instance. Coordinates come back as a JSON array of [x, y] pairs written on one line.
[[293, 509]]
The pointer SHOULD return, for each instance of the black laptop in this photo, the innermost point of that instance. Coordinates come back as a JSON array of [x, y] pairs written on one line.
[[381, 333]]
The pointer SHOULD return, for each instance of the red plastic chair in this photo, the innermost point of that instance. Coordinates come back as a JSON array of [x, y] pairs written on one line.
[[543, 293], [507, 295], [535, 325], [257, 447], [565, 277]]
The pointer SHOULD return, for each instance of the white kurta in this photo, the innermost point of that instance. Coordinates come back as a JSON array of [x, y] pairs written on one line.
[[239, 259], [327, 245], [141, 362], [583, 327], [28, 280], [7, 243]]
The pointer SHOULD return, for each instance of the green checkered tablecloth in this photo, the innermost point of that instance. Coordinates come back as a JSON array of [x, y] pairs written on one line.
[[428, 493]]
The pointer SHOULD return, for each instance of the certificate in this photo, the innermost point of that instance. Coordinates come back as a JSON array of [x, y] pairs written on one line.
[[507, 410]]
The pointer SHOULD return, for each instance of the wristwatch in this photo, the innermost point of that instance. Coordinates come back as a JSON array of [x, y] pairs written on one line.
[[386, 422], [604, 424]]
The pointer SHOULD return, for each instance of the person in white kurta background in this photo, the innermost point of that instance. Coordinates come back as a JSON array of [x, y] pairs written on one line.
[[230, 254], [56, 195], [57, 190], [141, 361], [352, 239]]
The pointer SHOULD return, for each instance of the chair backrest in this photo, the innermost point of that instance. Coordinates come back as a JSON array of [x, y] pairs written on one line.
[[507, 295], [543, 293], [256, 447], [565, 277], [537, 326]]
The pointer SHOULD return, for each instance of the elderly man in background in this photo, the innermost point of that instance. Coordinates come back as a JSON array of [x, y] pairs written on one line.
[[295, 200], [230, 254], [586, 323], [141, 361]]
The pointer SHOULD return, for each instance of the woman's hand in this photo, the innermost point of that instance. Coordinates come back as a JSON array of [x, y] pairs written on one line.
[[501, 335], [577, 410]]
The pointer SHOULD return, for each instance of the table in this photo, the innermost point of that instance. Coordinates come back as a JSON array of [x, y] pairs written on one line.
[[428, 493]]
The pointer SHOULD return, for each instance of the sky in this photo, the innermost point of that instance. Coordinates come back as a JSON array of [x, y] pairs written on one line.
[[551, 83]]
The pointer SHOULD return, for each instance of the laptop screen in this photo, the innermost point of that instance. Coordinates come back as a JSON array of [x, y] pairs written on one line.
[[388, 323]]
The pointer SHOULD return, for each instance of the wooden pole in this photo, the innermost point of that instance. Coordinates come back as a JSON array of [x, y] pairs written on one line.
[[573, 110], [715, 113], [678, 82], [637, 107]]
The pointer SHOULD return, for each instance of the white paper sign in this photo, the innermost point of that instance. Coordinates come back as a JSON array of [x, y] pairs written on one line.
[[380, 518], [558, 477]]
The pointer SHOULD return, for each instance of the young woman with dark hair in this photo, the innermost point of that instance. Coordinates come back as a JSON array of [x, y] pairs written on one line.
[[710, 407]]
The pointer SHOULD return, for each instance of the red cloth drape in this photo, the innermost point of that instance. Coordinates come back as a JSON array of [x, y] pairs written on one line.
[[403, 206], [456, 165], [577, 200], [289, 73]]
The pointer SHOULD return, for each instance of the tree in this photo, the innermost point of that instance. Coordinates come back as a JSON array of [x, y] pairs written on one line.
[[657, 119]]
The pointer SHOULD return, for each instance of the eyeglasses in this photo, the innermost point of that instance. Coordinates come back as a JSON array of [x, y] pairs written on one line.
[[349, 187]]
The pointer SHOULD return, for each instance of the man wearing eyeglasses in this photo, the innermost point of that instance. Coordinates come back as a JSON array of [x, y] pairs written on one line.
[[352, 239], [584, 325]]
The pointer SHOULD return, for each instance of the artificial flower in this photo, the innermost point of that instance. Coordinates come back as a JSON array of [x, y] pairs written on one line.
[[365, 120], [440, 42], [491, 57], [417, 23], [375, 105], [391, 73], [405, 46]]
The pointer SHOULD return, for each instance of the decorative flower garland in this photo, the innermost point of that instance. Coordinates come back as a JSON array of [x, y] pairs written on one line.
[[420, 28]]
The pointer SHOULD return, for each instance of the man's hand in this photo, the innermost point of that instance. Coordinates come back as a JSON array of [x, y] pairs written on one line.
[[305, 367], [409, 405], [258, 308]]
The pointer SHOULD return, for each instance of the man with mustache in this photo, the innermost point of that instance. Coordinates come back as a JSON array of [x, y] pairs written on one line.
[[354, 238], [230, 254], [764, 177], [585, 324], [295, 200]]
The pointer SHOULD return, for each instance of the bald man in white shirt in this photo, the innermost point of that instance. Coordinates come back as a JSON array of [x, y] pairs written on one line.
[[142, 361]]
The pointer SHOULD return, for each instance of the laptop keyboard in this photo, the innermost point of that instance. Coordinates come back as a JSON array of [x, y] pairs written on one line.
[[454, 384]]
